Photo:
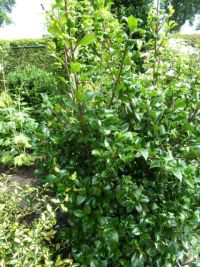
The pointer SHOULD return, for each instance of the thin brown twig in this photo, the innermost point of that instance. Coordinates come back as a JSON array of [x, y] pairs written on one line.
[[119, 76]]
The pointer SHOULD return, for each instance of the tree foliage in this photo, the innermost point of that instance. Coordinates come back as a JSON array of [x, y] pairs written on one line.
[[5, 8], [137, 8], [184, 10]]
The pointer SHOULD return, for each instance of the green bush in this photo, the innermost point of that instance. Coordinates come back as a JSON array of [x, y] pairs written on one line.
[[27, 227], [30, 83], [121, 144], [190, 39], [16, 132]]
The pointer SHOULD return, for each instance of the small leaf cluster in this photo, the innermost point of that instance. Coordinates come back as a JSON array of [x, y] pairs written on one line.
[[27, 227]]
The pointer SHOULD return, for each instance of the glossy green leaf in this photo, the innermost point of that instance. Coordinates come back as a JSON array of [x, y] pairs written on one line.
[[178, 174], [79, 213], [80, 199], [144, 152], [132, 23]]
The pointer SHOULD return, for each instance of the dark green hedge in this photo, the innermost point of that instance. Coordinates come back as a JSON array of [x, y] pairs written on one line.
[[18, 55]]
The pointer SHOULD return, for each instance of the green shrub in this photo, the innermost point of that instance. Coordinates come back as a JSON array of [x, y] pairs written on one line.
[[16, 132], [27, 227], [190, 39], [121, 144], [30, 83]]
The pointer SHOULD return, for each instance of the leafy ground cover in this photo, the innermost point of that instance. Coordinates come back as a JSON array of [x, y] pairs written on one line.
[[27, 224]]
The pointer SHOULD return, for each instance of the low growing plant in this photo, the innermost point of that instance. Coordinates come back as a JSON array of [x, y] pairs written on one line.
[[16, 126], [16, 132], [27, 227]]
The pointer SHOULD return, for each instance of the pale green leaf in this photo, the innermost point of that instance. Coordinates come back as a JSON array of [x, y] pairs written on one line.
[[178, 174], [87, 39], [132, 23], [75, 67], [144, 152], [64, 208]]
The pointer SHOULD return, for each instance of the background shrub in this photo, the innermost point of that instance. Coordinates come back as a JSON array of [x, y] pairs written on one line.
[[30, 82], [190, 39], [17, 129], [17, 56]]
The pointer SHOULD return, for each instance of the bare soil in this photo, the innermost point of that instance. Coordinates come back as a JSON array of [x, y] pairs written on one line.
[[22, 176]]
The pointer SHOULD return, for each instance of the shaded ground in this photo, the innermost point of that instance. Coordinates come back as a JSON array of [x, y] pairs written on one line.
[[22, 176]]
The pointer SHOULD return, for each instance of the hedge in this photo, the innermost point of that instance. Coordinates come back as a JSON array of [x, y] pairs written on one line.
[[18, 55], [191, 39]]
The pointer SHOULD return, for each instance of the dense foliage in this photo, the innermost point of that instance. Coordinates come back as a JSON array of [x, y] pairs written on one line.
[[16, 131], [184, 10], [30, 83], [24, 52], [16, 125], [121, 144], [137, 8], [118, 145]]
